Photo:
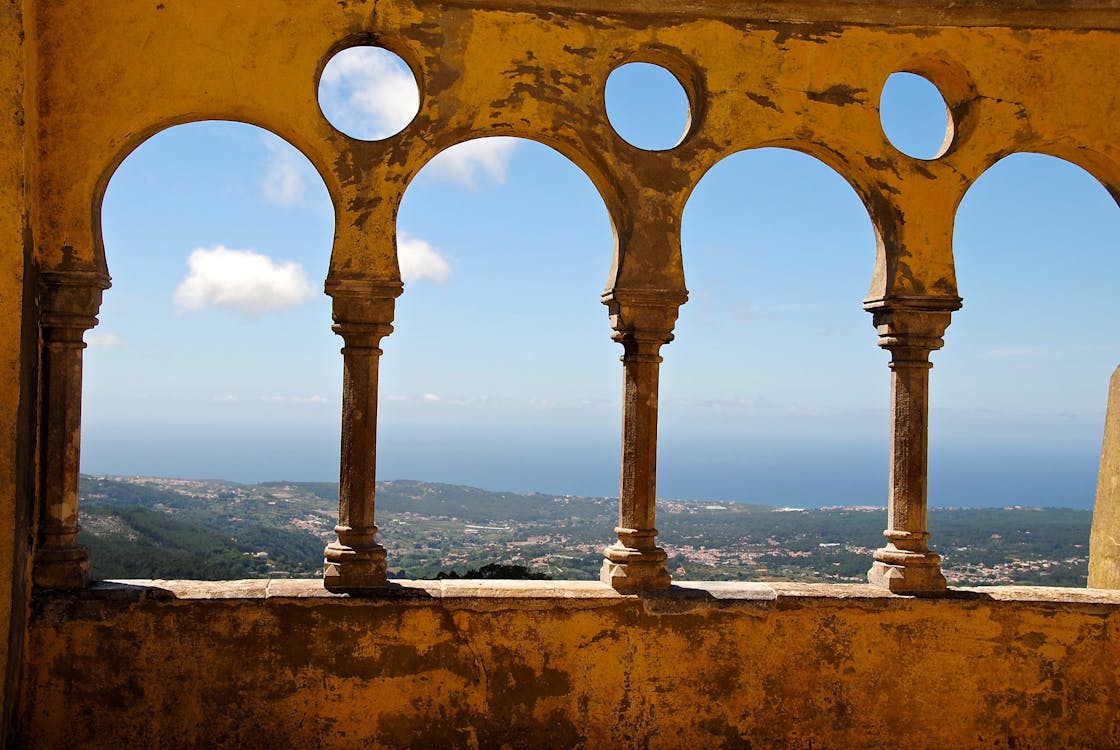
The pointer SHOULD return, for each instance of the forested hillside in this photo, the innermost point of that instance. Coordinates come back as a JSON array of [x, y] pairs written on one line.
[[144, 527]]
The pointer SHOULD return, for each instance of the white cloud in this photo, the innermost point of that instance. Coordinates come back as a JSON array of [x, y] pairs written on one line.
[[469, 162], [106, 340], [312, 399], [242, 280], [431, 397], [286, 174], [419, 260], [368, 92]]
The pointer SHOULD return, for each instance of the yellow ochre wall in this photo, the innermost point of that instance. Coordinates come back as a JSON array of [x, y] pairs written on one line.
[[85, 81], [18, 345], [557, 665]]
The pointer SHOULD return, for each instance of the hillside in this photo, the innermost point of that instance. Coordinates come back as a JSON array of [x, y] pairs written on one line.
[[144, 527]]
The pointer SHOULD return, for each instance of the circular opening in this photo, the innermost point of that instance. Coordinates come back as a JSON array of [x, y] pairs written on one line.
[[915, 117], [368, 93], [647, 106]]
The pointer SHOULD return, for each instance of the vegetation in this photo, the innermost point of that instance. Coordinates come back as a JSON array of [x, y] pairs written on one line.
[[496, 572], [163, 528]]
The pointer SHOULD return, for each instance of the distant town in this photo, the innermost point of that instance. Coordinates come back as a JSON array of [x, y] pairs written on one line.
[[151, 527]]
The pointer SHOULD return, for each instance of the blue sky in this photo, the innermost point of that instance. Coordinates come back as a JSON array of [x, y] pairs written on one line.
[[215, 356]]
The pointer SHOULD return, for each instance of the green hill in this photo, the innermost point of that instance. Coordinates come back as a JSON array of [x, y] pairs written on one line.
[[144, 527]]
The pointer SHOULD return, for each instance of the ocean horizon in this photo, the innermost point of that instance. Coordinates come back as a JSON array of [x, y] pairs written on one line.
[[782, 471]]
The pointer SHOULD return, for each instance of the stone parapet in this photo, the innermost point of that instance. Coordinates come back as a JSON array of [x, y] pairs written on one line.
[[260, 664]]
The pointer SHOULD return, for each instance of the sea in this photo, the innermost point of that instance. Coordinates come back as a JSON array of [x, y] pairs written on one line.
[[785, 471]]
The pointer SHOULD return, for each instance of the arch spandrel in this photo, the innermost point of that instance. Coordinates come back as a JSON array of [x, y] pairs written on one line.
[[96, 108], [484, 70]]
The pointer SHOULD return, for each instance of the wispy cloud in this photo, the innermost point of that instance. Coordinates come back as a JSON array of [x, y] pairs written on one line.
[[312, 399], [231, 398], [102, 340], [473, 162], [367, 92], [244, 280], [420, 261], [287, 173]]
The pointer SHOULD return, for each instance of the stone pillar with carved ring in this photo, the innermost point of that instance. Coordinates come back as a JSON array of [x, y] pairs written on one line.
[[643, 322], [910, 333], [70, 302], [363, 315]]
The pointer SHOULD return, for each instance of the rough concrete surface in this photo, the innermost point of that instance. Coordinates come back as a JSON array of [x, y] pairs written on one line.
[[553, 664]]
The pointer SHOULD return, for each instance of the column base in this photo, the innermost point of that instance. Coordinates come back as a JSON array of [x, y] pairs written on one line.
[[629, 571], [61, 567], [348, 570], [906, 572]]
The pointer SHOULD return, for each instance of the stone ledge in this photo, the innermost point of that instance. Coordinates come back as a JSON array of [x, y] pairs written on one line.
[[461, 590]]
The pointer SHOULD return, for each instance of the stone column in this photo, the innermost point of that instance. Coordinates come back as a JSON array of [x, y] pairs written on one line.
[[1104, 538], [906, 564], [70, 302], [642, 322], [363, 315]]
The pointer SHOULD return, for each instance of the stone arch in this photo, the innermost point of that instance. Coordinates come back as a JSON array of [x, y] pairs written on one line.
[[446, 347], [1101, 167], [1002, 337], [318, 158], [869, 195], [752, 408], [157, 208], [590, 256], [593, 167]]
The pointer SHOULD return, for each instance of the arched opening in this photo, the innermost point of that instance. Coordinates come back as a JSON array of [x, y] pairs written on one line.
[[1018, 402], [214, 360], [773, 392], [500, 374]]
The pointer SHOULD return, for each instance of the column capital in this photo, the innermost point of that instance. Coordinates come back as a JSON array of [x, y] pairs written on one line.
[[644, 309], [70, 301], [643, 319], [363, 300], [363, 309], [910, 331], [336, 286]]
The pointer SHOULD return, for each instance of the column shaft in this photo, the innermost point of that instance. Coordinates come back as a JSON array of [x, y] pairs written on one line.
[[638, 476], [906, 564], [70, 304], [643, 322], [363, 313]]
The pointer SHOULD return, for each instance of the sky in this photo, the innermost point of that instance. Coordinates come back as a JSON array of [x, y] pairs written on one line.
[[214, 357]]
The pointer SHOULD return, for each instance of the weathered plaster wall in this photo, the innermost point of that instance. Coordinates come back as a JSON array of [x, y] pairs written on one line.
[[115, 73], [735, 666], [17, 349], [509, 664]]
